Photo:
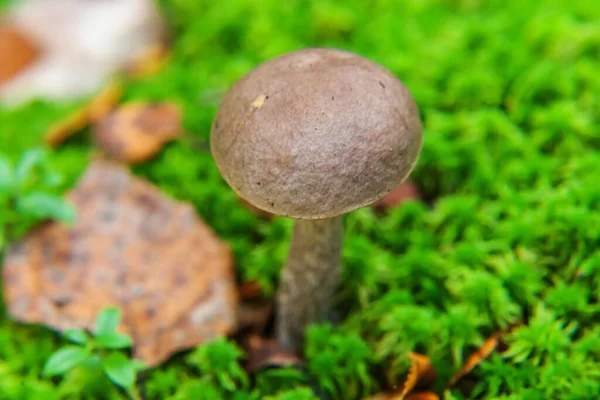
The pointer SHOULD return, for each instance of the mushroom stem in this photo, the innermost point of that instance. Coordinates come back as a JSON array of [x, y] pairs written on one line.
[[309, 279]]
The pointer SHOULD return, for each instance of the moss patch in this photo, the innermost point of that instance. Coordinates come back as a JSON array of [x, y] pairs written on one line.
[[509, 97]]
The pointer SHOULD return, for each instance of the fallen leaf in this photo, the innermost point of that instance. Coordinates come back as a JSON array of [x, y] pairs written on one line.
[[381, 396], [151, 60], [250, 290], [481, 354], [398, 396], [406, 191], [131, 247], [67, 127], [421, 373], [17, 51], [102, 104], [255, 316], [91, 41], [477, 357], [94, 110], [266, 353], [255, 312], [137, 131], [423, 396]]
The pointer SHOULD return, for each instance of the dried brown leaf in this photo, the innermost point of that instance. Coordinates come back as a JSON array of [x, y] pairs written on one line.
[[398, 396], [137, 131], [423, 396], [266, 353], [84, 43], [17, 52], [93, 111], [420, 370], [104, 102], [476, 358], [406, 191], [381, 396], [150, 62], [131, 247], [255, 316], [421, 373], [250, 290], [482, 353], [67, 127]]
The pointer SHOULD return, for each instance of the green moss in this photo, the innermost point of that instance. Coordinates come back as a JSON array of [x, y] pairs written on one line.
[[509, 169]]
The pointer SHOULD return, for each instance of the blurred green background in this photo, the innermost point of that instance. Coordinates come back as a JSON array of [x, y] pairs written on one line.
[[509, 92]]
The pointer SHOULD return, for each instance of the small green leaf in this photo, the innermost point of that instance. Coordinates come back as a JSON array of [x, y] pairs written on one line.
[[113, 340], [29, 160], [76, 336], [139, 365], [107, 321], [52, 179], [44, 205], [93, 362], [120, 370], [6, 176], [63, 360]]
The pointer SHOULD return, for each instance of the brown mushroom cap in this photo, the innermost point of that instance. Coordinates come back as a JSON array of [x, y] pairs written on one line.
[[316, 133]]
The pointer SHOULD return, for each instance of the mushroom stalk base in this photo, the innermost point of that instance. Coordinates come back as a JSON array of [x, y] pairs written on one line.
[[309, 279]]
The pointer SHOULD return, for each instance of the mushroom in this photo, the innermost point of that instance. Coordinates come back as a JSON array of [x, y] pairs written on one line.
[[311, 135]]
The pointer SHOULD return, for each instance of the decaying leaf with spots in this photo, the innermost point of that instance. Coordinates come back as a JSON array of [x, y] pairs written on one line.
[[137, 131], [96, 109], [17, 52], [130, 247]]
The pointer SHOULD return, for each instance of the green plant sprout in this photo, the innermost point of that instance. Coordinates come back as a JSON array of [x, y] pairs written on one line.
[[27, 194], [99, 349], [218, 363]]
